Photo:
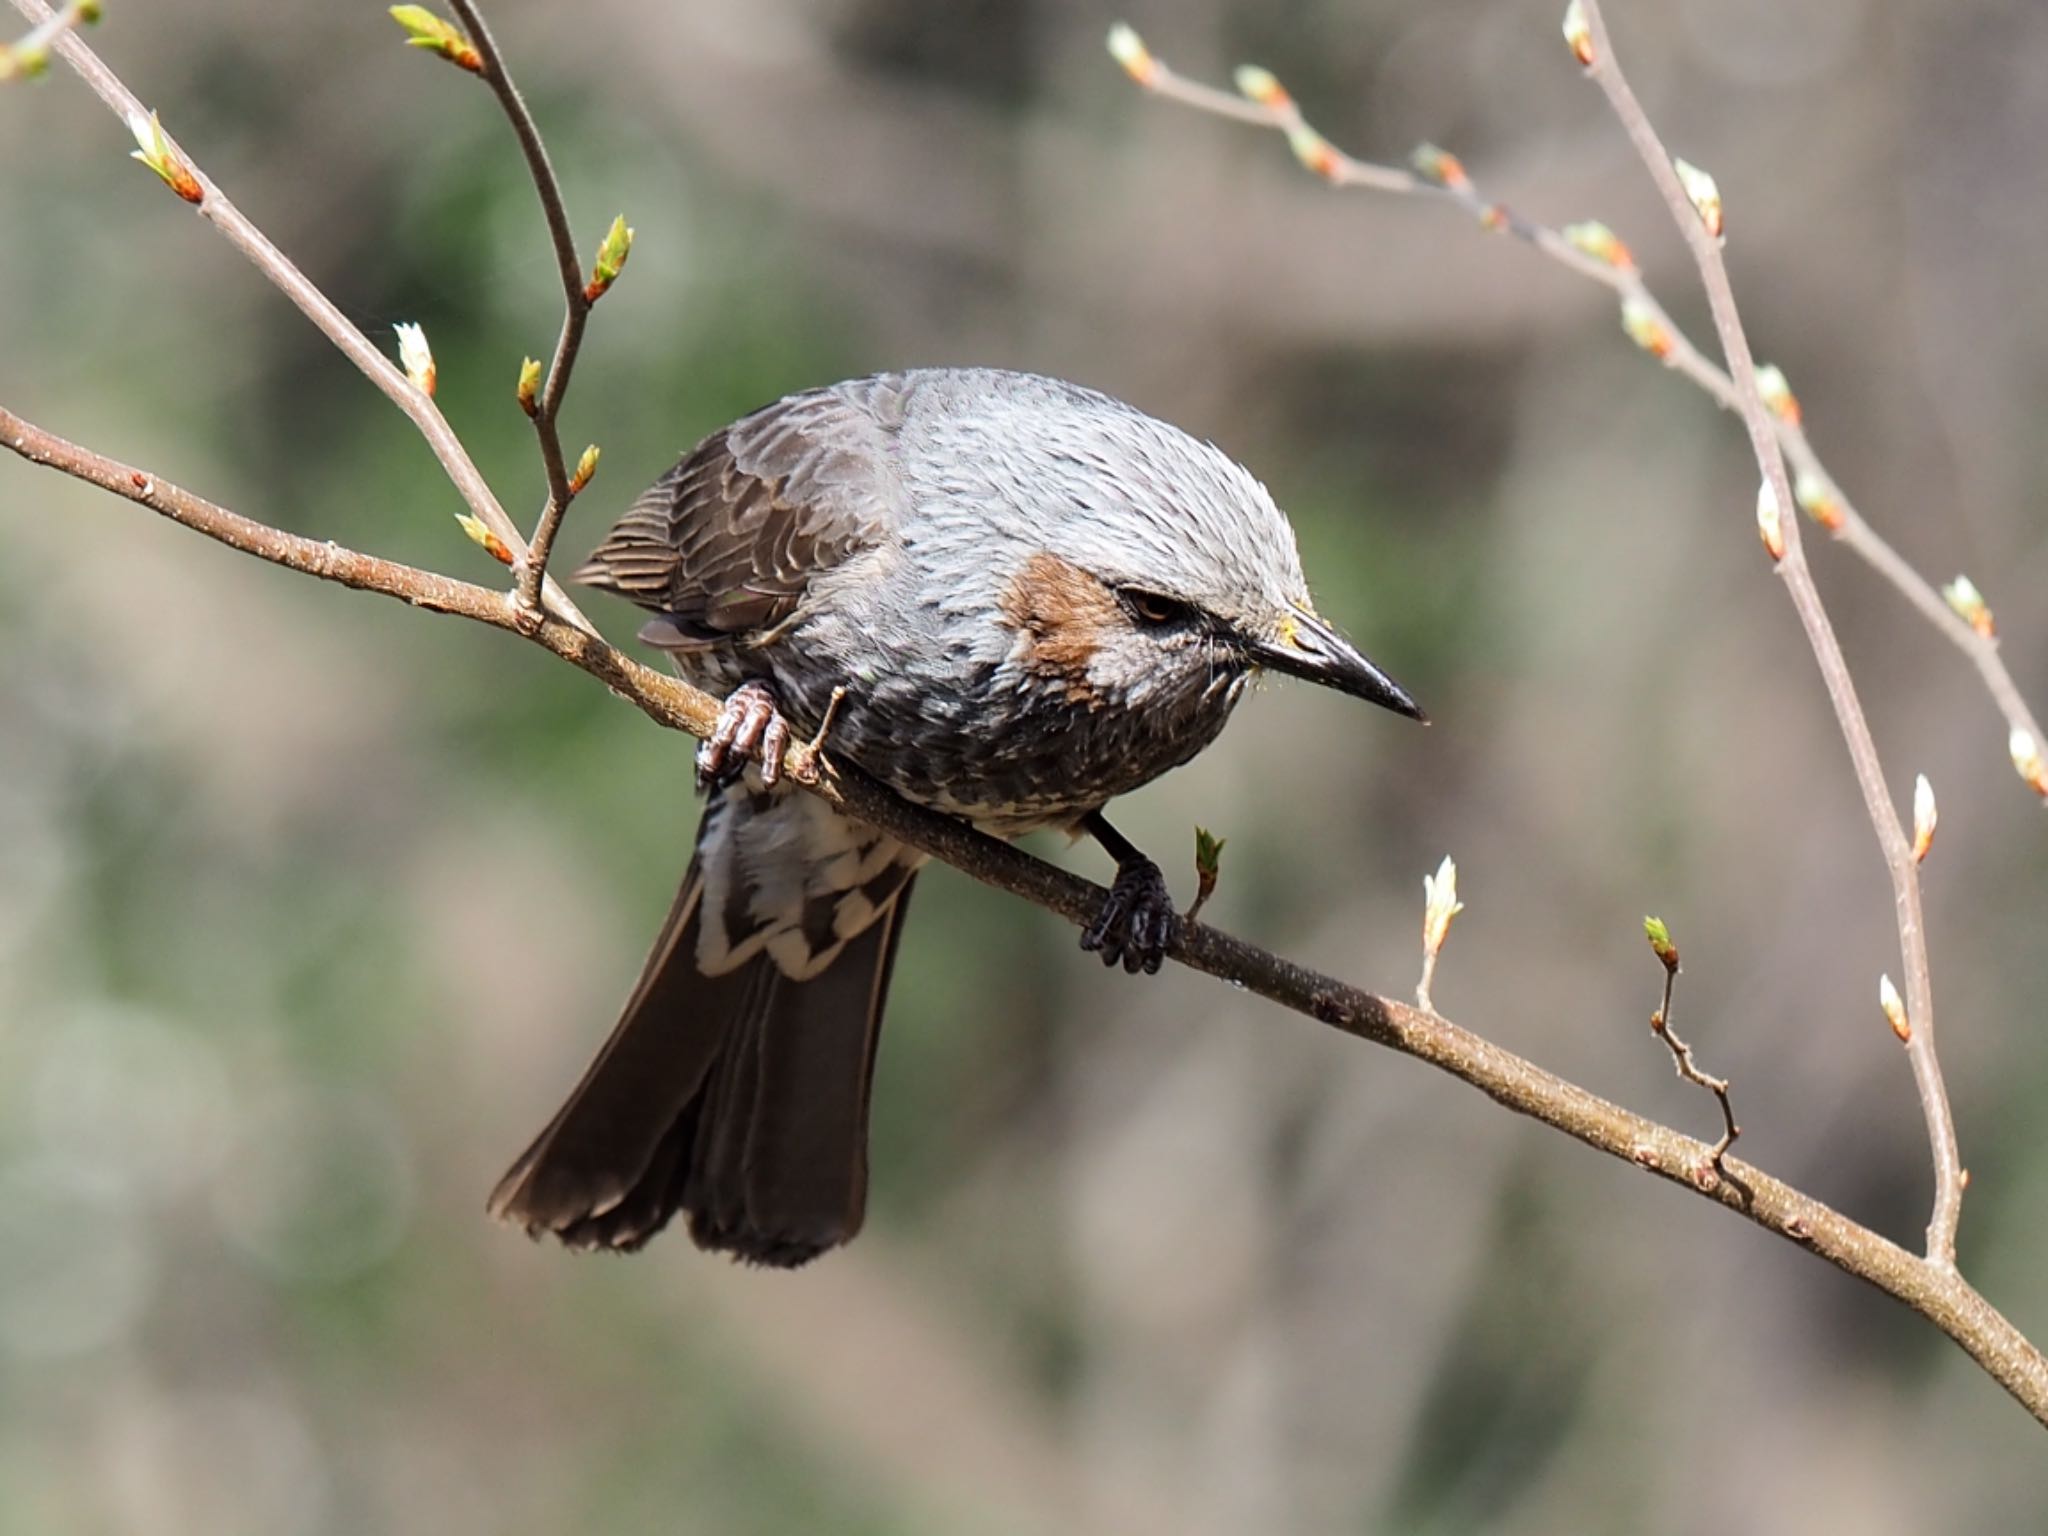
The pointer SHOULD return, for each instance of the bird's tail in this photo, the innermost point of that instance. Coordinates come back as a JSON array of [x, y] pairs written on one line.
[[740, 1098]]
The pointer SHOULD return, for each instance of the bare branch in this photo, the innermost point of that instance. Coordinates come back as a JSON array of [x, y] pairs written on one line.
[[214, 206], [1820, 635], [576, 303], [1939, 1294], [1592, 251]]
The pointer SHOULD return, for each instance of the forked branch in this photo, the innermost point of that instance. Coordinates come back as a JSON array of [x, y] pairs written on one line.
[[544, 405], [1769, 412], [1699, 222], [1593, 251], [213, 205]]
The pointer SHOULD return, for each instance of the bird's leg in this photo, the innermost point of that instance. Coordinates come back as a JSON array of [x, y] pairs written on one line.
[[750, 725], [1138, 922]]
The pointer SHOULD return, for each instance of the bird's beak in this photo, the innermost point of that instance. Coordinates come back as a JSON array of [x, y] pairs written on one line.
[[1308, 647]]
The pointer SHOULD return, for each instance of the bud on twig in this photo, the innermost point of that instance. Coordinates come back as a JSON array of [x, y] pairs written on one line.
[[1814, 494], [1601, 243], [1208, 864], [612, 252], [1315, 151], [1924, 818], [423, 29], [1659, 935], [1645, 327], [1768, 523], [417, 358], [1441, 167], [1256, 84], [23, 61], [1777, 394], [492, 545], [1129, 50], [1439, 905], [29, 59], [1578, 33], [1970, 607], [1894, 1009], [2026, 757], [156, 153], [529, 386], [1706, 197], [585, 468]]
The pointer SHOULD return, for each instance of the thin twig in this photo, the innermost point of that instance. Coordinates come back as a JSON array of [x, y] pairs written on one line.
[[812, 765], [1422, 998], [215, 207], [575, 304], [1820, 635], [1618, 272], [1681, 1058], [1939, 1294]]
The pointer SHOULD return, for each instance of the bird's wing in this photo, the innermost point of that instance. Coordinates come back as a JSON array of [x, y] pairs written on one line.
[[727, 542]]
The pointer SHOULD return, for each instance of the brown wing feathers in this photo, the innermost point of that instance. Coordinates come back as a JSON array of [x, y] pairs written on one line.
[[728, 540]]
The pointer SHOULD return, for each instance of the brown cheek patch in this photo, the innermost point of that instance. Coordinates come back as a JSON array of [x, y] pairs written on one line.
[[1062, 614]]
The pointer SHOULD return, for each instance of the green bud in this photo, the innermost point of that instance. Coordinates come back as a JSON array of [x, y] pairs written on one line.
[[423, 29], [1660, 942], [611, 258]]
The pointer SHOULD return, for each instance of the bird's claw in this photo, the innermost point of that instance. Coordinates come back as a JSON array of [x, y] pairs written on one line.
[[1138, 923], [750, 728]]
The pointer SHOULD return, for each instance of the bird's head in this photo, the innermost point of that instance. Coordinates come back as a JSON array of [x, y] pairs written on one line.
[[1169, 574]]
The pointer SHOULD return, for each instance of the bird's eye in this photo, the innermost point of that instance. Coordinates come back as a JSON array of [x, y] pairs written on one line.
[[1153, 608]]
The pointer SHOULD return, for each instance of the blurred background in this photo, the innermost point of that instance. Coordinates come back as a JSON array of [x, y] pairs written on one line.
[[311, 906]]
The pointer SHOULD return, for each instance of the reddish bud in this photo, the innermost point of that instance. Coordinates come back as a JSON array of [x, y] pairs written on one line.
[[156, 153], [1768, 523], [423, 29], [1601, 243], [1129, 50], [491, 544], [1578, 33]]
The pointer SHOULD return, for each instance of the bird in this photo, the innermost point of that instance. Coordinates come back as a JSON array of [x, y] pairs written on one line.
[[1010, 599]]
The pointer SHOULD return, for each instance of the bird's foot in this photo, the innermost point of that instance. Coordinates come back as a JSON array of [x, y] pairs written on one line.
[[1138, 923], [750, 728]]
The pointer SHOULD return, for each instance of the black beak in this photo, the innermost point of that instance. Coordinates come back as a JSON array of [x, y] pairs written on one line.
[[1313, 650]]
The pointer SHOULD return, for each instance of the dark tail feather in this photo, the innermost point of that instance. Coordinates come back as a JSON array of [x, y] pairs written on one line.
[[740, 1098]]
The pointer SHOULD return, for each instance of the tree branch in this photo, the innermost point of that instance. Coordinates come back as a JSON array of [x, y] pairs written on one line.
[[1827, 651], [1938, 1293], [1592, 251], [576, 303], [244, 236]]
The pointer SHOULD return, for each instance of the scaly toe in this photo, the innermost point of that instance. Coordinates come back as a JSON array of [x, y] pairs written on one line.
[[1137, 923], [750, 728], [1106, 932]]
